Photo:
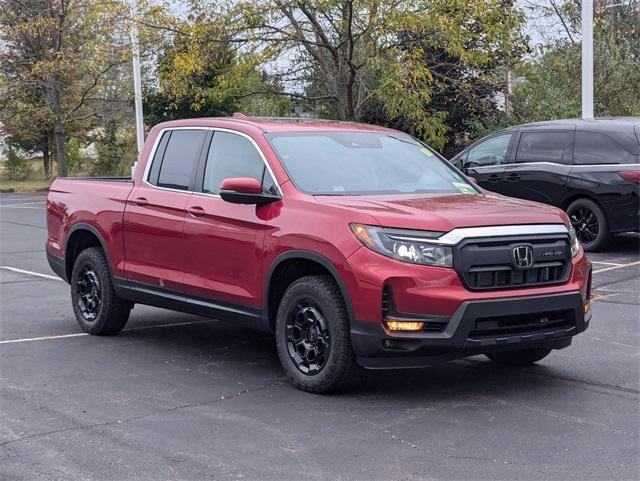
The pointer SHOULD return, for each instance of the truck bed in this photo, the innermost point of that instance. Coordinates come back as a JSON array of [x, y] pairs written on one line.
[[98, 202]]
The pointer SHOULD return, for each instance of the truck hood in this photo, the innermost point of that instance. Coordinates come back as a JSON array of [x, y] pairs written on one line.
[[446, 212]]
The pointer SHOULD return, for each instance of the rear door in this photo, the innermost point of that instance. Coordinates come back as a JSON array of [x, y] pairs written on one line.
[[155, 211], [541, 166], [486, 161], [223, 241]]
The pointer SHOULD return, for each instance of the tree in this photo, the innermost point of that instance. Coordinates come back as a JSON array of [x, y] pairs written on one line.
[[200, 73], [355, 57], [54, 55], [553, 89]]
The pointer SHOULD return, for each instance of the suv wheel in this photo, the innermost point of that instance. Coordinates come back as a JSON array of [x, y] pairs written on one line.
[[97, 308], [521, 357], [590, 223], [313, 335]]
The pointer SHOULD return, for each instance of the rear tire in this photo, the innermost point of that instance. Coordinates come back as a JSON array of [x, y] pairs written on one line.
[[97, 308], [522, 357], [313, 336], [590, 223]]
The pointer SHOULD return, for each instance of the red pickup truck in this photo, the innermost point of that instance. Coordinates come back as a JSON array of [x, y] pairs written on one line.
[[357, 246]]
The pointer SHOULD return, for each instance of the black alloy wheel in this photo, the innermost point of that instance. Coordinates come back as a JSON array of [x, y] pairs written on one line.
[[308, 337], [585, 222], [89, 296], [590, 224], [97, 307], [313, 336]]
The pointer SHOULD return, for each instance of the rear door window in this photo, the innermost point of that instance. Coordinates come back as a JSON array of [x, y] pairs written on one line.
[[598, 148], [548, 146], [180, 159]]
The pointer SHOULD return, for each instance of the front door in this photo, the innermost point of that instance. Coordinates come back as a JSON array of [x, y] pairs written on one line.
[[486, 162], [155, 212], [223, 241]]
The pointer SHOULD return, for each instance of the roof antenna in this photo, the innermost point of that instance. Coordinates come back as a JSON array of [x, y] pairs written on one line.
[[239, 115]]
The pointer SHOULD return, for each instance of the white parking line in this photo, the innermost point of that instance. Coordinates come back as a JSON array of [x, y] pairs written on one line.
[[621, 266], [31, 273], [41, 203], [606, 263], [45, 338], [79, 334]]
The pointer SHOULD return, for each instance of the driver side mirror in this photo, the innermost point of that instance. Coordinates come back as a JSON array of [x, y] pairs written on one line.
[[245, 190]]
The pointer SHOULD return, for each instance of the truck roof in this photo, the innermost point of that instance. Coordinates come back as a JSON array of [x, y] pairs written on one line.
[[276, 124]]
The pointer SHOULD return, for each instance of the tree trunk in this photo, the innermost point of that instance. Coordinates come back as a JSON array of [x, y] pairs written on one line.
[[344, 96], [59, 137], [46, 158], [61, 148]]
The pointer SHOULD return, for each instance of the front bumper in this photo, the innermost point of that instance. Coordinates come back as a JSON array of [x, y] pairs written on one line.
[[552, 320]]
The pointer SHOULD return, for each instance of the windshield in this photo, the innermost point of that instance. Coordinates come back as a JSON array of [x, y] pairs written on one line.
[[364, 163]]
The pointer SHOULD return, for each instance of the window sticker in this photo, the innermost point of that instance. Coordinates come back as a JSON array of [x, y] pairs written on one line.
[[426, 152], [464, 188]]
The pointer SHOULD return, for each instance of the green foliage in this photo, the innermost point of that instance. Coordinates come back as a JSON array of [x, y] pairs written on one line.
[[553, 88], [200, 74], [54, 59], [116, 152], [16, 165], [363, 60], [75, 157]]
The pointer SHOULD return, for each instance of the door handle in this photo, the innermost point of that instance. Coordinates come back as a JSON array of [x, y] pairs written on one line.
[[493, 178], [513, 177], [196, 211], [141, 201]]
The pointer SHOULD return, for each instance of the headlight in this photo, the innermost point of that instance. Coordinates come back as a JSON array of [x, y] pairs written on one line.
[[573, 240], [404, 245]]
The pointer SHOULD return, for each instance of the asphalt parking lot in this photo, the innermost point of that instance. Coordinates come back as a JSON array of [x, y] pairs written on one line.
[[182, 397]]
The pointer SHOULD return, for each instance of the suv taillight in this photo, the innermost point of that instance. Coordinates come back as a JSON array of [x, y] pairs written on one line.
[[630, 176]]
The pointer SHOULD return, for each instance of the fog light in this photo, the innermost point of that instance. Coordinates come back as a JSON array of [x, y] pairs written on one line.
[[404, 325]]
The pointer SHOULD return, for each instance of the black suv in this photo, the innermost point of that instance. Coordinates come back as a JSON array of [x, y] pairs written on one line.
[[589, 168]]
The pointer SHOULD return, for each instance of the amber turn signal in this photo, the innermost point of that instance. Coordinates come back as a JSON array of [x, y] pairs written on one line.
[[404, 325], [586, 308]]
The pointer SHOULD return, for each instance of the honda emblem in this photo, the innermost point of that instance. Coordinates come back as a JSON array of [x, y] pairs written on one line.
[[522, 257]]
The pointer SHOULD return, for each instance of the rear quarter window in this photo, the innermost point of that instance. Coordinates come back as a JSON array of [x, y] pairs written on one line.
[[597, 148]]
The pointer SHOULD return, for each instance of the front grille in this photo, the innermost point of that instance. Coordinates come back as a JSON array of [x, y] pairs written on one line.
[[522, 324], [489, 263], [487, 277]]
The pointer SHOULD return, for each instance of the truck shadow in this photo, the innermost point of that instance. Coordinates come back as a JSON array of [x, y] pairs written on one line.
[[246, 355]]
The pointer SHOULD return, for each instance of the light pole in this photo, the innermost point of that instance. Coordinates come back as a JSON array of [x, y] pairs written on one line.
[[137, 82], [587, 59]]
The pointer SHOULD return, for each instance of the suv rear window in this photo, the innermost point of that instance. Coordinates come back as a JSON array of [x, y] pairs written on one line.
[[179, 160], [599, 148], [552, 147]]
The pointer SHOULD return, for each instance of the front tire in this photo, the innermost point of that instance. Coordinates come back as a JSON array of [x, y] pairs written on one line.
[[97, 308], [521, 357], [313, 335], [590, 224]]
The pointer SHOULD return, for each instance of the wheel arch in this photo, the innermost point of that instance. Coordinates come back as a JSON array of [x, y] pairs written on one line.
[[288, 267], [567, 201], [80, 237]]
